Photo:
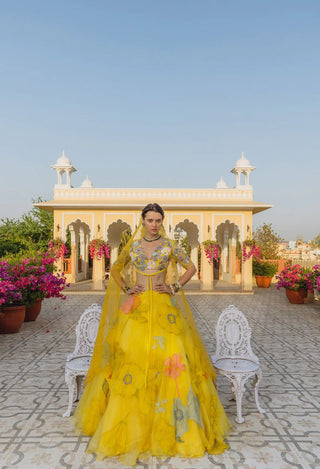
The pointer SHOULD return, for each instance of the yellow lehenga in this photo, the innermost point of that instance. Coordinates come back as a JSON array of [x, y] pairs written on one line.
[[150, 386]]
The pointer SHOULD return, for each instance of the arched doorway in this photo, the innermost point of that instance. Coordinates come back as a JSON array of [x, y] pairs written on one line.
[[80, 238], [227, 235], [114, 233], [191, 231]]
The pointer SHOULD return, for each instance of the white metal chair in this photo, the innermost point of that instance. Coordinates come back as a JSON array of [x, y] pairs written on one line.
[[78, 361], [234, 358]]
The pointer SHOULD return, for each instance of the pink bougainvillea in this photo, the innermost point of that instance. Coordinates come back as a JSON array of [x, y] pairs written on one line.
[[313, 278], [57, 248], [250, 250], [99, 249], [31, 279], [292, 277], [211, 250]]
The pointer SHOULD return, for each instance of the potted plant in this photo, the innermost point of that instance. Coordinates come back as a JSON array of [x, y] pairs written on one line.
[[24, 284], [12, 304], [293, 279], [263, 271], [313, 281], [44, 282]]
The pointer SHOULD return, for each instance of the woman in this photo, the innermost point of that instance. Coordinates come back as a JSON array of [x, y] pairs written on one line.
[[150, 386]]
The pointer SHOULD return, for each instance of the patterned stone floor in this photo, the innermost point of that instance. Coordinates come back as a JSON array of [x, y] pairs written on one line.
[[33, 397]]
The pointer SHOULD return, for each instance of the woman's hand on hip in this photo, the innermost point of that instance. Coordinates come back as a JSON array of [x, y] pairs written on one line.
[[136, 290], [162, 288]]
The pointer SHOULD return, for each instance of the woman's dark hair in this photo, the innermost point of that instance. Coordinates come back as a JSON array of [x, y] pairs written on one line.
[[152, 208]]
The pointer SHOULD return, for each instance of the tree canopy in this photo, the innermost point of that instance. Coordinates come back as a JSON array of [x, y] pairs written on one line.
[[30, 233], [268, 241]]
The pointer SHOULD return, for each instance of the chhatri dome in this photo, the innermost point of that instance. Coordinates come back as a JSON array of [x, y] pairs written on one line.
[[63, 160], [86, 183], [243, 166], [63, 165], [243, 162], [221, 184]]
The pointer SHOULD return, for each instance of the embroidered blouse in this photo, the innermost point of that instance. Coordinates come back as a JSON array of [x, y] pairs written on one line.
[[160, 257]]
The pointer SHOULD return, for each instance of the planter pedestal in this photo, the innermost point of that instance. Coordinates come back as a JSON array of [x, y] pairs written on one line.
[[33, 311], [11, 318], [296, 297]]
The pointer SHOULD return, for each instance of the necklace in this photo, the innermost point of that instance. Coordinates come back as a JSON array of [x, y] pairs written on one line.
[[151, 240]]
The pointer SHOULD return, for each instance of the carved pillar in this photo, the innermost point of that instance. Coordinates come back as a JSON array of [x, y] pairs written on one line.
[[87, 239], [224, 254], [98, 273], [82, 251], [194, 258], [74, 255], [246, 275], [113, 255], [206, 272], [233, 257]]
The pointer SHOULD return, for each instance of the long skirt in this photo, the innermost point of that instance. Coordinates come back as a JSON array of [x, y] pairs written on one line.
[[155, 396]]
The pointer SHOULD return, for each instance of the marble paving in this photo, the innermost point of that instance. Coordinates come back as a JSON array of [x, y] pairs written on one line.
[[33, 394]]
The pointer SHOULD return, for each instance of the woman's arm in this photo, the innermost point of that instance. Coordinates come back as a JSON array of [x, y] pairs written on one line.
[[189, 273]]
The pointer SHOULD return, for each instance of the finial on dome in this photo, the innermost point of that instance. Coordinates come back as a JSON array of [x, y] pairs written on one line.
[[221, 184]]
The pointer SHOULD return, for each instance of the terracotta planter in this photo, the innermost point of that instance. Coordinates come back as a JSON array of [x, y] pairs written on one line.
[[297, 297], [11, 318], [263, 282], [33, 311]]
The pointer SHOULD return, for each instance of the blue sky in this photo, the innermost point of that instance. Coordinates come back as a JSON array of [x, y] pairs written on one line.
[[163, 94]]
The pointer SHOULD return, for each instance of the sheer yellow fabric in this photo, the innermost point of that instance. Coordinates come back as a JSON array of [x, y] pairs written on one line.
[[150, 386]]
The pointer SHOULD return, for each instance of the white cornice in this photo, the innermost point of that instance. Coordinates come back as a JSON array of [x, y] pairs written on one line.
[[255, 207]]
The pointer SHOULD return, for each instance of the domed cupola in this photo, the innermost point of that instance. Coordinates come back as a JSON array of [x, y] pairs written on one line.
[[86, 183], [221, 184], [63, 165], [243, 166]]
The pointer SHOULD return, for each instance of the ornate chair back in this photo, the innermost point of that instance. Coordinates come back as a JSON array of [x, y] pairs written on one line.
[[86, 331], [233, 335]]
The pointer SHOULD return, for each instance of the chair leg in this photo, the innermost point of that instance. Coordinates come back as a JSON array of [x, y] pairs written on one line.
[[256, 387], [80, 380], [71, 383], [238, 390]]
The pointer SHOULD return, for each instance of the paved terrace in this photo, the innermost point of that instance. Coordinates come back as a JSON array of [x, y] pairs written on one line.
[[33, 434]]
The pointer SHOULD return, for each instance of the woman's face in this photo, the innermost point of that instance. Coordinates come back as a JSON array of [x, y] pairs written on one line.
[[152, 222]]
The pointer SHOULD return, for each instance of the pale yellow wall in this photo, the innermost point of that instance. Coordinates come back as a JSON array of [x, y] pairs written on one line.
[[207, 221]]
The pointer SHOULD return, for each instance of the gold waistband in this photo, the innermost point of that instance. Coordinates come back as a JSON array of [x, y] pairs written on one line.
[[152, 273]]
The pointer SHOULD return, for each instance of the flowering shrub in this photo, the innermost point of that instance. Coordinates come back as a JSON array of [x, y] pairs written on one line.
[[211, 250], [29, 280], [57, 248], [292, 277], [254, 251], [99, 249], [313, 278]]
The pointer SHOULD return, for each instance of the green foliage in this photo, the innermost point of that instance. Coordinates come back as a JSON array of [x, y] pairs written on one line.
[[268, 241], [27, 235], [264, 268]]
